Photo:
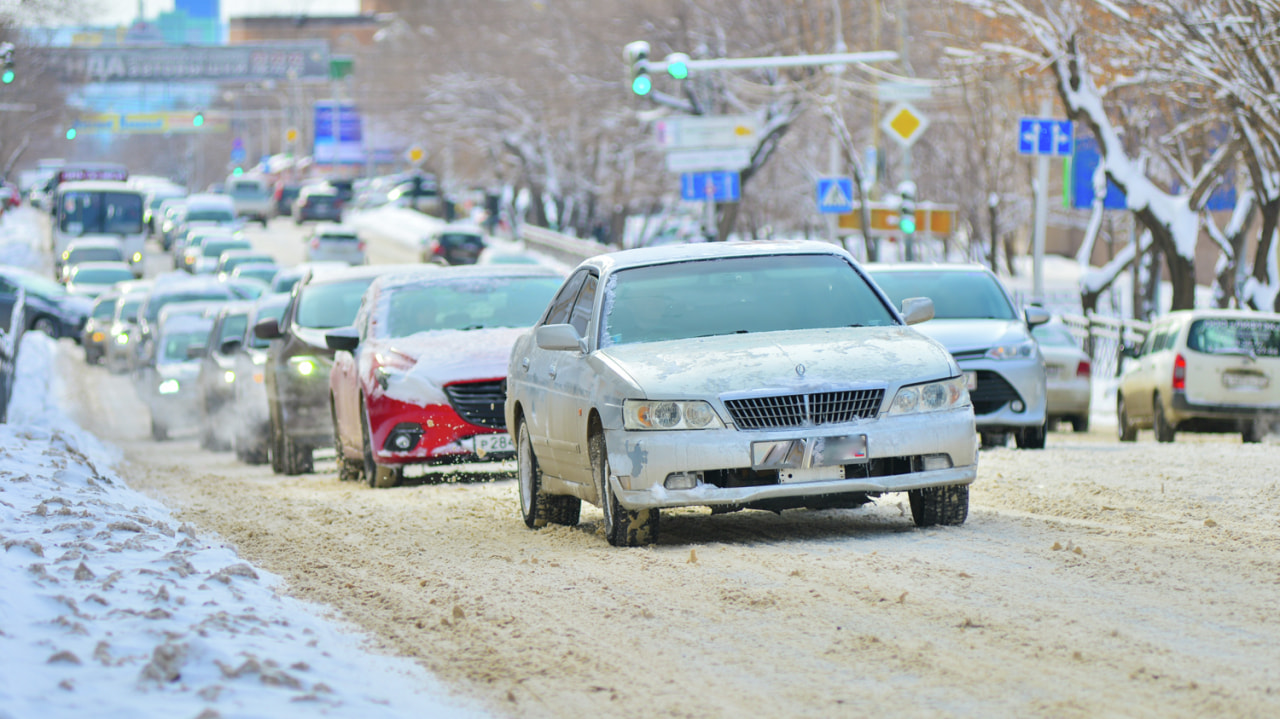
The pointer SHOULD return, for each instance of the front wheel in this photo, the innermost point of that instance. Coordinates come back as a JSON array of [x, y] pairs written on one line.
[[378, 476], [537, 507], [622, 527], [1031, 437], [159, 430], [47, 326], [948, 506]]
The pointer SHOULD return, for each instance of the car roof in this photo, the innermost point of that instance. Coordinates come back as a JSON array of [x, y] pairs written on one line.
[[209, 198], [327, 275], [1215, 313], [666, 254], [100, 186], [918, 266], [428, 274]]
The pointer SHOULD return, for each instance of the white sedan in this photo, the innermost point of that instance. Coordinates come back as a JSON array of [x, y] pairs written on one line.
[[735, 376]]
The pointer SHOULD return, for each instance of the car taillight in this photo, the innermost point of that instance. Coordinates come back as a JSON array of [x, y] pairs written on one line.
[[1083, 369], [360, 245], [437, 249], [315, 243], [1179, 373]]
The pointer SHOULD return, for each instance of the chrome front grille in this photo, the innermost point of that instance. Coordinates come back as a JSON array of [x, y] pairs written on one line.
[[799, 410]]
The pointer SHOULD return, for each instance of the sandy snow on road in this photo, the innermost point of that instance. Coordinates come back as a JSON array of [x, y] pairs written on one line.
[[1092, 579]]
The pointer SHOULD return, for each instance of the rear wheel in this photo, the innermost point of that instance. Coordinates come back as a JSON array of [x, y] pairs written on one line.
[[1165, 432], [991, 440], [947, 506], [1253, 432], [47, 326], [536, 507], [1080, 423], [1128, 432], [622, 527]]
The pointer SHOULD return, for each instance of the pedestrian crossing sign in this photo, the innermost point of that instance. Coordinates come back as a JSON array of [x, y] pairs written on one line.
[[835, 195]]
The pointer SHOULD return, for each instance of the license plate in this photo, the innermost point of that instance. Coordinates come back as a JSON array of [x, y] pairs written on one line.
[[491, 443], [826, 453], [813, 474], [971, 380], [1052, 371], [1234, 380]]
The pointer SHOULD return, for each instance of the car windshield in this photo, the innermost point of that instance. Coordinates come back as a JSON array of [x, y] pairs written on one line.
[[210, 214], [84, 212], [158, 302], [265, 274], [94, 254], [956, 295], [173, 348], [468, 304], [215, 248], [737, 295], [339, 237], [273, 311], [230, 263], [233, 328], [102, 275], [1230, 335], [331, 304], [457, 239], [104, 309], [130, 309], [247, 189], [285, 281], [1054, 336]]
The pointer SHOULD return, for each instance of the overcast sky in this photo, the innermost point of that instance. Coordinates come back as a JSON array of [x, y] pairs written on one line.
[[118, 12]]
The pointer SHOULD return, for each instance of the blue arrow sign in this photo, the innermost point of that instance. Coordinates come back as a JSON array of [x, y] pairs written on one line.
[[1045, 136], [835, 195], [718, 186]]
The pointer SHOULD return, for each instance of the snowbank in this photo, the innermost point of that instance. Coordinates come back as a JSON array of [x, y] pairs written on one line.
[[112, 609]]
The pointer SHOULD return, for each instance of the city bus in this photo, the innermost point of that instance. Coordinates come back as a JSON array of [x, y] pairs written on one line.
[[101, 209]]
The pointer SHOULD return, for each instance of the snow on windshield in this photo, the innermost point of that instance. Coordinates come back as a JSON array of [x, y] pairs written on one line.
[[464, 304]]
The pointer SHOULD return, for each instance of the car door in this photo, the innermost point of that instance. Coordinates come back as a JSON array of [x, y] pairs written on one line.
[[535, 373], [571, 396]]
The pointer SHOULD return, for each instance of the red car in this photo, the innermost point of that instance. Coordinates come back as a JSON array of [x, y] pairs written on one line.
[[420, 379]]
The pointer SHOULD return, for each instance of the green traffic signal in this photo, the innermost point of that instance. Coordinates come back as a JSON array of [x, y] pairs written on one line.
[[7, 77], [907, 225], [198, 119], [71, 133], [237, 172], [678, 65], [642, 84]]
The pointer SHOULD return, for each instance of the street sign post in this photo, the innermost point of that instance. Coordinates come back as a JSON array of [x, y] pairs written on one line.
[[715, 186], [1045, 136], [706, 132], [931, 219], [835, 195], [415, 154]]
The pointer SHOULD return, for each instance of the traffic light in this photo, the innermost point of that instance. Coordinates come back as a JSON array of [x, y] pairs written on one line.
[[237, 172], [6, 54], [678, 65], [71, 133], [197, 120], [637, 56], [907, 210]]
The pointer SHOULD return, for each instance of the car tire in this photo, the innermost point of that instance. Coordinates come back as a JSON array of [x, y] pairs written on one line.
[[622, 527], [1080, 423], [277, 445], [348, 470], [537, 508], [1031, 437], [45, 325], [379, 477], [992, 440], [1165, 432], [1128, 431], [297, 457], [947, 506], [159, 432], [1253, 432]]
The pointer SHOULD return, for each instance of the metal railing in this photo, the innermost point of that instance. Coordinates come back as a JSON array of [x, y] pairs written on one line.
[[559, 246], [1102, 337]]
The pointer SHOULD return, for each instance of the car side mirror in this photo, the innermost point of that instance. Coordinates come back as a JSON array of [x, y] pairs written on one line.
[[343, 339], [229, 347], [267, 329], [917, 309], [1129, 351], [559, 338], [1035, 315]]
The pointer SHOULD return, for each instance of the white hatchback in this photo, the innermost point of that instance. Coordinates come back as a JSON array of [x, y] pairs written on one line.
[[1203, 371]]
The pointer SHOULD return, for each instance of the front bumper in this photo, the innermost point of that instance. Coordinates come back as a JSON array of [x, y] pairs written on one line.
[[442, 436], [1002, 384], [641, 461]]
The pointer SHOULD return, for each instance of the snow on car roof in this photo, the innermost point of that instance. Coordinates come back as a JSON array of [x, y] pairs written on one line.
[[664, 254]]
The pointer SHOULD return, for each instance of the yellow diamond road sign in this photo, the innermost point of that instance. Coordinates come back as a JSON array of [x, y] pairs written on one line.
[[904, 124]]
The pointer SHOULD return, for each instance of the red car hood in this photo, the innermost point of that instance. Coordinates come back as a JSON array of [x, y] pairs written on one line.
[[446, 356]]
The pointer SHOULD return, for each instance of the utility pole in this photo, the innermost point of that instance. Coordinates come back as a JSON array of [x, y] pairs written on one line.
[[1041, 216]]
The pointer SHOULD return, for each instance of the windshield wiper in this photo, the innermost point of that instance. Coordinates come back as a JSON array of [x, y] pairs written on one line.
[[471, 327]]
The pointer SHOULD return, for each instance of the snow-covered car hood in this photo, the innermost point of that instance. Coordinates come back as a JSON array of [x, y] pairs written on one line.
[[178, 370], [974, 335], [445, 356], [788, 361]]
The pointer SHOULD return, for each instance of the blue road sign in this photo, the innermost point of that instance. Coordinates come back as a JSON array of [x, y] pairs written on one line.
[[835, 195], [1045, 136], [237, 150], [717, 185]]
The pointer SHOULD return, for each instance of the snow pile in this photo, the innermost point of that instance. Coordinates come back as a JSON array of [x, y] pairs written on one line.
[[111, 608]]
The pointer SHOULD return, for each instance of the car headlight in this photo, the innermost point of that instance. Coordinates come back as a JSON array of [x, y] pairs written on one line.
[[99, 336], [667, 414], [122, 339], [305, 366], [229, 377], [931, 396], [1021, 350], [169, 386]]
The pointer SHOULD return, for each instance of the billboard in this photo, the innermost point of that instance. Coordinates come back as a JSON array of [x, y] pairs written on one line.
[[304, 60], [339, 138]]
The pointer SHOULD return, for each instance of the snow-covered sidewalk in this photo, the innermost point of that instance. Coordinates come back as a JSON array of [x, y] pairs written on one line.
[[111, 608]]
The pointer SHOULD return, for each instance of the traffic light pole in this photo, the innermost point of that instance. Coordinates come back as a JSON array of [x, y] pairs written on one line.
[[751, 63]]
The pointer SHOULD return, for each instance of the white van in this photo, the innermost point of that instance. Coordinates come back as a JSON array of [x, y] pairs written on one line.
[[101, 209]]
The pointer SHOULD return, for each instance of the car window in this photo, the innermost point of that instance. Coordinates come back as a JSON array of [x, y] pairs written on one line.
[[215, 248], [1231, 335], [104, 309], [1054, 336], [738, 295], [955, 295], [580, 316], [158, 302], [101, 275], [331, 304], [94, 254], [233, 328], [558, 314], [173, 348], [129, 310], [465, 304]]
